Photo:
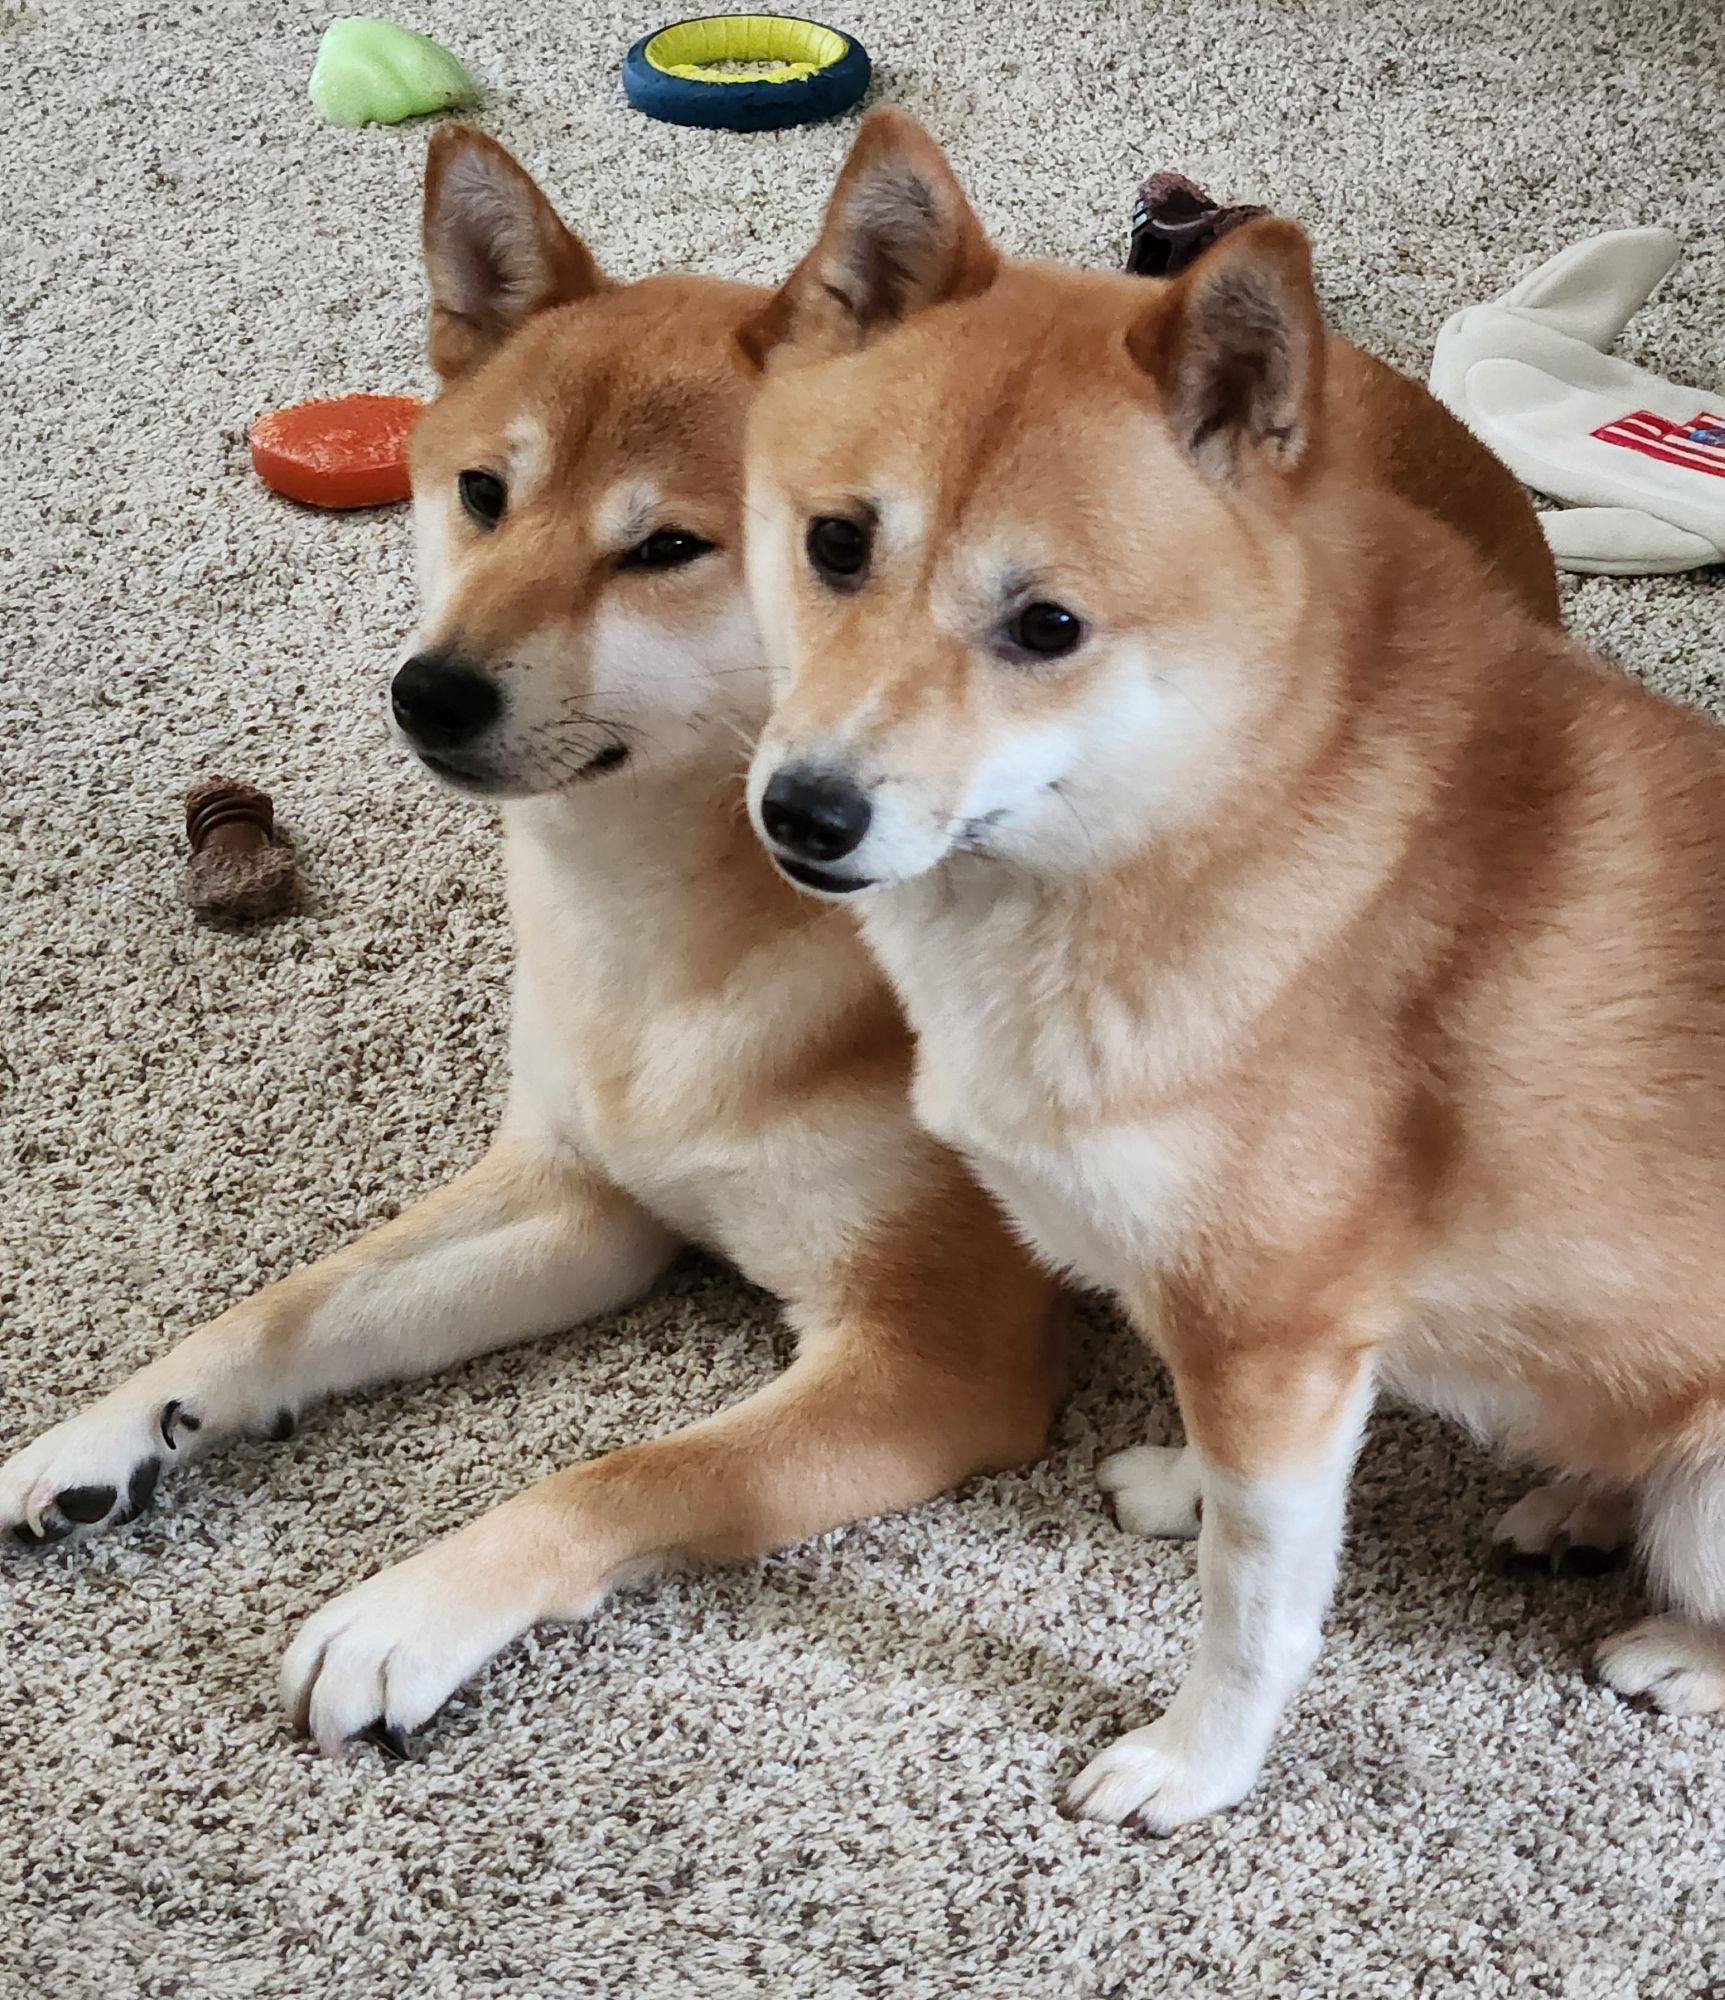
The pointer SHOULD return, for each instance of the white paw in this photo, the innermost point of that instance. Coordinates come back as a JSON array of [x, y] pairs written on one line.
[[386, 1655], [1155, 1490], [1666, 1663], [1569, 1526], [1154, 1779], [101, 1465]]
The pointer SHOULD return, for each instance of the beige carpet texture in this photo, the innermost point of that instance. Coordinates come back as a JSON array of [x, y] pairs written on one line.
[[832, 1774]]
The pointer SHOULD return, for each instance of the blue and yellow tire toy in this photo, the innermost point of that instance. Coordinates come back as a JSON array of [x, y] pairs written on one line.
[[745, 72]]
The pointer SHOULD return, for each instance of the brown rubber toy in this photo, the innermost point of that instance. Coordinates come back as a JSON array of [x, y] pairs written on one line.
[[238, 869], [1175, 222]]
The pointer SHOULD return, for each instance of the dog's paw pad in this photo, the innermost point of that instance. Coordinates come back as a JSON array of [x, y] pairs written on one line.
[[140, 1489], [385, 1737], [86, 1505], [1587, 1559]]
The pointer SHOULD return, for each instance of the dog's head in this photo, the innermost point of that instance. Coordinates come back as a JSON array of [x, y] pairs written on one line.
[[1021, 537], [577, 493]]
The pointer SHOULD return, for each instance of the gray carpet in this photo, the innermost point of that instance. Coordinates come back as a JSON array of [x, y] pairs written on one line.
[[833, 1775]]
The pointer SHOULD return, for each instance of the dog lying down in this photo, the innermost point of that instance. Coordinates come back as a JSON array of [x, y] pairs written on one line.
[[699, 1053], [1302, 940]]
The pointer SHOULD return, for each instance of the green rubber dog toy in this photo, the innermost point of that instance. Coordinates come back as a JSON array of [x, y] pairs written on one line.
[[374, 73]]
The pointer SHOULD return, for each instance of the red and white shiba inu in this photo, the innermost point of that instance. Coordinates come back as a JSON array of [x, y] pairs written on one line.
[[699, 1053], [1302, 937]]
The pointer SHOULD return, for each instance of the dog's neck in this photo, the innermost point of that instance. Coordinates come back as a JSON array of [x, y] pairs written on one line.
[[659, 877]]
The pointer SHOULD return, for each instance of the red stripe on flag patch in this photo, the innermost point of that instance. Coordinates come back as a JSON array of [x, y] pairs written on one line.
[[1697, 446]]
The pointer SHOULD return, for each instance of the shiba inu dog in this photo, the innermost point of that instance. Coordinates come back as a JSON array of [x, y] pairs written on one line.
[[1303, 938], [699, 1054]]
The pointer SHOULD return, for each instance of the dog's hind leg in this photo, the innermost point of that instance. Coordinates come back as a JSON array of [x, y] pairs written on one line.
[[1571, 1527], [1676, 1662], [861, 1423], [520, 1245]]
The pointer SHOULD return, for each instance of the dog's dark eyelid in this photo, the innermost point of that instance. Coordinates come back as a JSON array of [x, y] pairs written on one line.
[[666, 548]]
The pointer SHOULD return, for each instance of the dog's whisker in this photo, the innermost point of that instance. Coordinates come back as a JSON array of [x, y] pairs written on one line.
[[1059, 790]]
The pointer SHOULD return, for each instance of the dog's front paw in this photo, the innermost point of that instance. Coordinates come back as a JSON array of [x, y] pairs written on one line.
[[1666, 1663], [1156, 1779], [1154, 1488], [384, 1657], [98, 1468]]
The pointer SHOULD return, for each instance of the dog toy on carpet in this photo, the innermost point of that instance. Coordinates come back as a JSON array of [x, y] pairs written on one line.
[[374, 73], [1175, 221], [343, 451], [238, 867], [1641, 460], [745, 72]]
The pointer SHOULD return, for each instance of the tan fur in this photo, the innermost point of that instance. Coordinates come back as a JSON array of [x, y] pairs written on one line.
[[1327, 954]]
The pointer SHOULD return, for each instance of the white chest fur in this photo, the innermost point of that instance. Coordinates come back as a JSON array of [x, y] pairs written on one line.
[[1014, 1065], [657, 1011]]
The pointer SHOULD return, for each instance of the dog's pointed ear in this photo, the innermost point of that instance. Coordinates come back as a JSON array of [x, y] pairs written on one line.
[[898, 237], [496, 251], [1235, 347]]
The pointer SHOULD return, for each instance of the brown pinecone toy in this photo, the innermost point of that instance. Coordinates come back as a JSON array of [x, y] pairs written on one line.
[[238, 869]]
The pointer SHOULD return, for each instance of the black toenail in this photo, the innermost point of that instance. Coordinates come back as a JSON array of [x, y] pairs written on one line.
[[141, 1490], [85, 1504], [52, 1531], [282, 1429], [386, 1738]]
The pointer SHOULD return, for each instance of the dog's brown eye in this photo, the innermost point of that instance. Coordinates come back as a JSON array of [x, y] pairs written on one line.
[[1047, 630], [839, 549], [484, 496], [665, 548]]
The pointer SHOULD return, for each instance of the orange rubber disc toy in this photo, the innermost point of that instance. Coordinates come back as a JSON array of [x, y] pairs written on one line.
[[346, 451]]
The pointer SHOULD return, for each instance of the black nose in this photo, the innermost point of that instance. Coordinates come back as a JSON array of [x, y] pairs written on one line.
[[813, 814], [441, 702]]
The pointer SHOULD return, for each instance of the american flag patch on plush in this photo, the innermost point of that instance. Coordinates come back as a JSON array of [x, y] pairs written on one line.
[[1699, 444]]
